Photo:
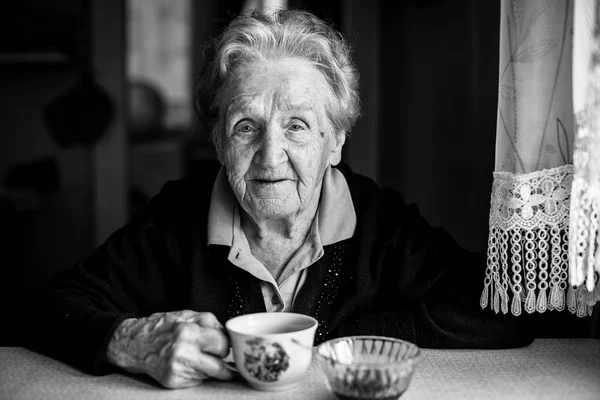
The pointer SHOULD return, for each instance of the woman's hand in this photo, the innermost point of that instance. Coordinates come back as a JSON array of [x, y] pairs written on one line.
[[178, 349]]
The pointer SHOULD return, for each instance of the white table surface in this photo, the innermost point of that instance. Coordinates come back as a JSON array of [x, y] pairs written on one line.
[[547, 369]]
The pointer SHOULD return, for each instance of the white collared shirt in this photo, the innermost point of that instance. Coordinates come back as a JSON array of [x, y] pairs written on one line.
[[334, 221]]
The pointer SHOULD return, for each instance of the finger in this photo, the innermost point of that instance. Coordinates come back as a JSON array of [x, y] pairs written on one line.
[[213, 341], [184, 380], [207, 319], [183, 315], [192, 364], [214, 367], [208, 340], [182, 375]]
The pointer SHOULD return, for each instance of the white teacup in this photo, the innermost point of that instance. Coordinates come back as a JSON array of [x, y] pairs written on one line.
[[272, 350]]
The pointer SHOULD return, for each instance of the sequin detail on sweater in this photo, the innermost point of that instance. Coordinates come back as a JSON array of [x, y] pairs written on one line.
[[335, 279]]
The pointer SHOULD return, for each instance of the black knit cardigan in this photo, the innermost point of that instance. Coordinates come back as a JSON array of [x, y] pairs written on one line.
[[397, 276]]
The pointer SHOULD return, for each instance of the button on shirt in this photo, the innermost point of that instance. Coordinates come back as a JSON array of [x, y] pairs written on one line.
[[334, 221]]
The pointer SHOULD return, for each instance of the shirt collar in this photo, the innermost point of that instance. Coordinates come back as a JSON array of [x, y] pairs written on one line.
[[336, 217]]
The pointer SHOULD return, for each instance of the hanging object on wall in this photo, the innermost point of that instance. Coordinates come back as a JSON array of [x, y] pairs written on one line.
[[147, 110], [80, 115]]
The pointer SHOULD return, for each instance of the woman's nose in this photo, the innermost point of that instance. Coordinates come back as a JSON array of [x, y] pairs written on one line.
[[272, 152]]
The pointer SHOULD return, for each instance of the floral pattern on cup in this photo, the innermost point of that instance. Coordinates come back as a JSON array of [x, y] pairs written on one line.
[[266, 361]]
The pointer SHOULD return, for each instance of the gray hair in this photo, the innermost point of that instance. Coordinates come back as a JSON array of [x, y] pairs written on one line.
[[286, 33]]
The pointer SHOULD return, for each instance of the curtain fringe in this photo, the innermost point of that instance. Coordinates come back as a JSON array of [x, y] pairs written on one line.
[[584, 237], [529, 249], [578, 300]]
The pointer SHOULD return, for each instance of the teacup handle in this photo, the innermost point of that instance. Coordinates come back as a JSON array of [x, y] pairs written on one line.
[[230, 365]]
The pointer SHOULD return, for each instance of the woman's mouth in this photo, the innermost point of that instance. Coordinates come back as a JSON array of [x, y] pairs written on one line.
[[269, 187], [267, 181]]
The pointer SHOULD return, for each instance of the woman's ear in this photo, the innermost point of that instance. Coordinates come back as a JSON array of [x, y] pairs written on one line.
[[220, 157], [219, 151], [337, 142], [218, 143]]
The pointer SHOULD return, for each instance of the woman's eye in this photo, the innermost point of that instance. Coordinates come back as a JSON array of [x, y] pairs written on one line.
[[297, 127], [244, 129]]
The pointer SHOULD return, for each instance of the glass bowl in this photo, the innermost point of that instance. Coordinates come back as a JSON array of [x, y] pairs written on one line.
[[368, 367]]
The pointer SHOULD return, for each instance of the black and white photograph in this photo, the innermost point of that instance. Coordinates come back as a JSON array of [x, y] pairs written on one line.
[[300, 199]]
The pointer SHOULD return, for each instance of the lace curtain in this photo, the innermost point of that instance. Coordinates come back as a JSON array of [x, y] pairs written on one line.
[[543, 244]]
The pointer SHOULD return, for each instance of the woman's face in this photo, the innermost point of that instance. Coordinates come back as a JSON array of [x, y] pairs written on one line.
[[277, 139]]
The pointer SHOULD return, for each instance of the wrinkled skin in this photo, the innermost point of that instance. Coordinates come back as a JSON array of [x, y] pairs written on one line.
[[178, 349], [277, 140]]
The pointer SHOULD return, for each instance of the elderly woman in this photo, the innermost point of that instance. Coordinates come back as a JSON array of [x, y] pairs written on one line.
[[284, 227]]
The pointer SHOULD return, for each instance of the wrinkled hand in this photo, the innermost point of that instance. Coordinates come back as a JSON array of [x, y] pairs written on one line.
[[178, 349]]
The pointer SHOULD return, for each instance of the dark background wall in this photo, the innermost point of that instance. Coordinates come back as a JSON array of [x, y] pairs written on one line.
[[438, 110]]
